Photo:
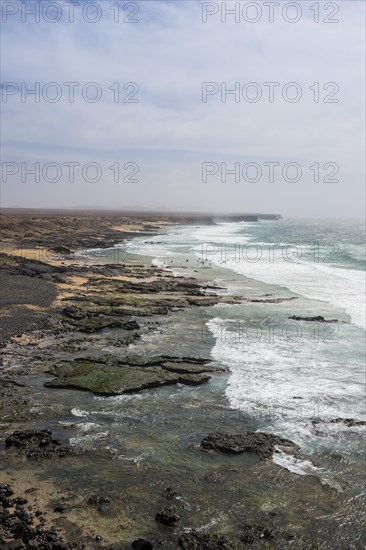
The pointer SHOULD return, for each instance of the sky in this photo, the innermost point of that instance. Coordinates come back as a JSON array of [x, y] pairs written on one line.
[[147, 120]]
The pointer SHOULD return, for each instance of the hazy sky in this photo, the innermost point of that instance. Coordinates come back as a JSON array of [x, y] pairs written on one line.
[[159, 131]]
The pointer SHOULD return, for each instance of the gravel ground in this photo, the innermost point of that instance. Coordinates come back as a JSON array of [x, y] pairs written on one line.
[[15, 292]]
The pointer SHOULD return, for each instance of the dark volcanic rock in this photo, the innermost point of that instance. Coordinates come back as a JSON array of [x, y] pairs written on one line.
[[255, 532], [91, 321], [184, 368], [20, 500], [204, 541], [168, 516], [14, 545], [349, 422], [317, 318], [6, 490], [97, 500], [60, 249], [142, 544], [272, 300], [37, 444], [101, 503], [59, 509], [114, 375], [170, 493], [261, 443], [33, 268], [73, 312], [6, 502], [17, 528]]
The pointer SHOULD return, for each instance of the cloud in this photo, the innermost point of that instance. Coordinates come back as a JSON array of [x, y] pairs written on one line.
[[170, 131]]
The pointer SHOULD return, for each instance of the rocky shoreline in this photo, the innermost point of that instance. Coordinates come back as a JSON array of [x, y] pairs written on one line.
[[67, 325]]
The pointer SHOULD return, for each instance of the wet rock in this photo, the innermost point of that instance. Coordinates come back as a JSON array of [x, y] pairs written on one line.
[[317, 318], [59, 509], [4, 517], [185, 368], [101, 503], [37, 444], [6, 490], [193, 379], [72, 313], [20, 500], [166, 361], [22, 531], [23, 516], [116, 299], [261, 443], [350, 422], [119, 380], [196, 540], [112, 376], [97, 500], [272, 300], [7, 502], [170, 493], [94, 320], [142, 544], [253, 533], [168, 516], [124, 341], [130, 325], [15, 545], [60, 249], [204, 541]]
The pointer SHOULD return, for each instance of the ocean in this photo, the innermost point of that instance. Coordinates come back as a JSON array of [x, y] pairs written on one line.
[[291, 377]]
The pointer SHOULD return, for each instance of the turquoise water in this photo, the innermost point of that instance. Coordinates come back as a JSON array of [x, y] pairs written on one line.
[[284, 374]]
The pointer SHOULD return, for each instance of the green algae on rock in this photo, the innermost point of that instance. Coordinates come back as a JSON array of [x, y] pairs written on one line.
[[115, 376]]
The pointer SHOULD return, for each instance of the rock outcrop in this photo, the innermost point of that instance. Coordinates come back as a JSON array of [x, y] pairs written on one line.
[[38, 444], [316, 319], [261, 443], [115, 376]]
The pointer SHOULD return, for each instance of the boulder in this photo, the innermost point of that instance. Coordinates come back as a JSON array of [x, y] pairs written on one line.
[[168, 516], [142, 544], [261, 443]]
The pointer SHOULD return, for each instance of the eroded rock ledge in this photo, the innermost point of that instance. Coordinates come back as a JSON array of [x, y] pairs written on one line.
[[115, 376], [261, 443]]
